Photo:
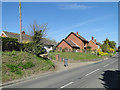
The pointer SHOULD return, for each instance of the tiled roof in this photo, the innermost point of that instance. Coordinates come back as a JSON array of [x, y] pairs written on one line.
[[16, 35], [28, 37], [47, 42], [71, 43], [94, 42], [81, 37]]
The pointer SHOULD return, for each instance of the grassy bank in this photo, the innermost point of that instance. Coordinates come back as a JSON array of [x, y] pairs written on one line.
[[74, 56], [16, 65]]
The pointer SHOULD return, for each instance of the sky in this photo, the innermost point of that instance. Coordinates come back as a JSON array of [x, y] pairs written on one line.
[[97, 19]]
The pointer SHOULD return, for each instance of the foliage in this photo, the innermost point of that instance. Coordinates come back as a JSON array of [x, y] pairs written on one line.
[[88, 47], [9, 44], [104, 47], [37, 36], [112, 44], [34, 48], [9, 39], [107, 45], [25, 41], [98, 50], [102, 53], [111, 50]]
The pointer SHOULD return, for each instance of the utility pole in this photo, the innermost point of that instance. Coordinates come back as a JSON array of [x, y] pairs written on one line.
[[20, 21]]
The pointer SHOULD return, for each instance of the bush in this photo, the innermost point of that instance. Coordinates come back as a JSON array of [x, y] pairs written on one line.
[[33, 48], [102, 53], [111, 50], [9, 44]]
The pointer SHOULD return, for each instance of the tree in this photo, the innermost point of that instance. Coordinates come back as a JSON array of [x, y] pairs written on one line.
[[38, 32], [36, 27], [104, 47], [107, 45], [112, 44]]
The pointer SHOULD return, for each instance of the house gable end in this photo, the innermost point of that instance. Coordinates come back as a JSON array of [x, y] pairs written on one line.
[[65, 42], [3, 34]]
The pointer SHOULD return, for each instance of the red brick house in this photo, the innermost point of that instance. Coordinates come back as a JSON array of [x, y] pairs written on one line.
[[93, 44], [72, 42], [75, 42]]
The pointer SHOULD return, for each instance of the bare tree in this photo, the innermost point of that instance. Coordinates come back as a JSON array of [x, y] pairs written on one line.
[[36, 27]]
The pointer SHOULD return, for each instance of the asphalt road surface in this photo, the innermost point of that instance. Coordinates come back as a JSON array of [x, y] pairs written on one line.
[[102, 74]]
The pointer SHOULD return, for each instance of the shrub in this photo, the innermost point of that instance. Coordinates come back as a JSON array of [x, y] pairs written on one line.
[[9, 44], [102, 53], [33, 48], [111, 50], [88, 47]]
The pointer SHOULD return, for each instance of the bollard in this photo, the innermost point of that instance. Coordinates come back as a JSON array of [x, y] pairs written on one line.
[[60, 59], [57, 57], [65, 62]]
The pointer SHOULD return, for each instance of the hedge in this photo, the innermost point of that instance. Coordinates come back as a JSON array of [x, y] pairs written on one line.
[[9, 44]]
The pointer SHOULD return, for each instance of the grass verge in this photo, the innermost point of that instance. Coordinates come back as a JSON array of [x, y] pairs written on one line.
[[74, 56], [17, 65]]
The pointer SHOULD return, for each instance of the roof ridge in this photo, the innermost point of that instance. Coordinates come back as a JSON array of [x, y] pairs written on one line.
[[79, 36], [16, 33]]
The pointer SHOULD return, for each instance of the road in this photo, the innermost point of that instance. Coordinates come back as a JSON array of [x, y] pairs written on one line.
[[97, 75]]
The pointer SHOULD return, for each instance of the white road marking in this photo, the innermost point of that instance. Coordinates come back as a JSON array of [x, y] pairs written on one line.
[[91, 72], [66, 84], [112, 62], [106, 65]]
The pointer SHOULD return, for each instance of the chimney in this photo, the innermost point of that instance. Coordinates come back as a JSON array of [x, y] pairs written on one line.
[[23, 32], [92, 38], [77, 33], [95, 40]]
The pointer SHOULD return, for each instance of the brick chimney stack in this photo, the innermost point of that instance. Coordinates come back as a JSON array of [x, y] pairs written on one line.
[[23, 32], [95, 40], [77, 33], [92, 38]]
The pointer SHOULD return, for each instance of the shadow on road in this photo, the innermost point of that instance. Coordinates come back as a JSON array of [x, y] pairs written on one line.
[[111, 79]]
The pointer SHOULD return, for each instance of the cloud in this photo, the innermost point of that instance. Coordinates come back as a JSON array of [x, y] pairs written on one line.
[[74, 6]]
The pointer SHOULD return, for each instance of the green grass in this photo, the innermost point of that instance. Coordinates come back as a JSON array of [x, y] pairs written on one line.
[[16, 65], [74, 56]]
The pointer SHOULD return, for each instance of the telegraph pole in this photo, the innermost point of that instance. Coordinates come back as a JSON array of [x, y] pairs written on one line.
[[20, 21]]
